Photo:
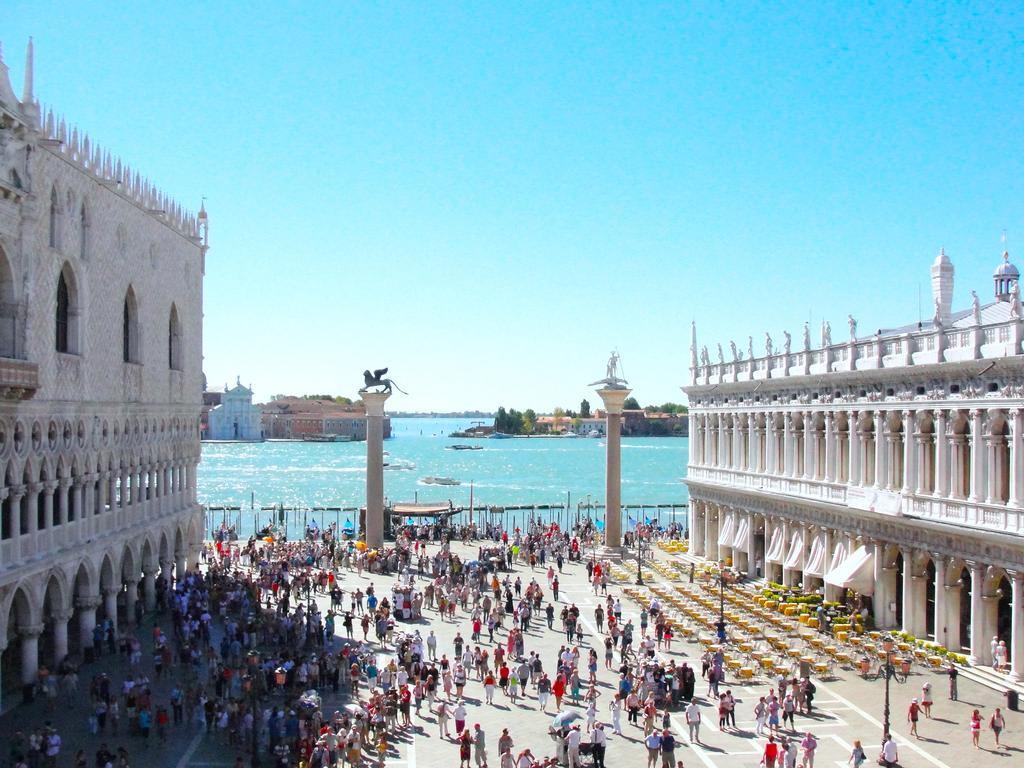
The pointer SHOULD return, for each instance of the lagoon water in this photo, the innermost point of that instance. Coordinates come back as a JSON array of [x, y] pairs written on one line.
[[506, 472]]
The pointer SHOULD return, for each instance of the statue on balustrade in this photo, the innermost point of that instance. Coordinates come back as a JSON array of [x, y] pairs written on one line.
[[768, 344], [826, 333], [807, 336], [788, 340], [853, 327]]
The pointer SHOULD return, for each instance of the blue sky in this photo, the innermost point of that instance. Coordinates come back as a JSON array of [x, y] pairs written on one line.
[[489, 198]]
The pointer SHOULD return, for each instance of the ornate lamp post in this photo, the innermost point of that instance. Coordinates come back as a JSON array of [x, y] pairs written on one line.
[[723, 576], [887, 646], [639, 572], [251, 686]]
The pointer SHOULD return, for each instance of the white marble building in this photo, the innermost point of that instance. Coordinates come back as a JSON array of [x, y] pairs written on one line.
[[890, 463], [236, 418], [101, 281]]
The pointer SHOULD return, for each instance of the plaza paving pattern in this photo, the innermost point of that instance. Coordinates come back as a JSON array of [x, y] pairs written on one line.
[[846, 708]]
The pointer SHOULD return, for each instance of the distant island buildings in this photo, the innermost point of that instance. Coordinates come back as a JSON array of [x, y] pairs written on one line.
[[299, 418], [231, 415]]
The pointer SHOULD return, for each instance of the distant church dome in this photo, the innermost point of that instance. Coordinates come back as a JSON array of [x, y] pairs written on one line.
[[1005, 278]]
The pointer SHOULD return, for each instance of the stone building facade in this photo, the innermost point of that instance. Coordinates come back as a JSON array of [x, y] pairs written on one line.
[[234, 417], [100, 384], [892, 464]]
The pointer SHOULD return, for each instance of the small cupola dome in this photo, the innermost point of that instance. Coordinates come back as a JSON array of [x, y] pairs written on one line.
[[1005, 278]]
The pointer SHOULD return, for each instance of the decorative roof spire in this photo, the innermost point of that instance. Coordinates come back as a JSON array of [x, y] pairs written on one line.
[[27, 98]]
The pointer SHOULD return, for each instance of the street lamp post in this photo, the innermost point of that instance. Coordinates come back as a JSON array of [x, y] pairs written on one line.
[[721, 602], [250, 684], [887, 645], [639, 572]]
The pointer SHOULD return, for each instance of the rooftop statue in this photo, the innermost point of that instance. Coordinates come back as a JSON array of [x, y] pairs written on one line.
[[750, 347], [937, 317], [377, 380], [826, 333], [768, 344], [807, 336], [976, 307], [853, 327], [1015, 301], [721, 357], [736, 354], [787, 342], [612, 380]]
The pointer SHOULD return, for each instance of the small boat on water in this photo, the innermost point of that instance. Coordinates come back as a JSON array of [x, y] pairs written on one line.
[[593, 433], [441, 481], [399, 464], [501, 436], [464, 447], [327, 438]]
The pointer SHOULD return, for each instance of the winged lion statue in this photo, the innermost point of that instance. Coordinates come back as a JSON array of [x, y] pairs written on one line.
[[376, 379]]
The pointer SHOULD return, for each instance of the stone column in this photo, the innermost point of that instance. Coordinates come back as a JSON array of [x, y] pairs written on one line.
[[691, 423], [856, 446], [979, 643], [613, 400], [149, 589], [60, 637], [17, 494], [953, 597], [881, 450], [87, 606], [941, 600], [1017, 627], [769, 443], [941, 456], [29, 636], [710, 533], [788, 446], [1016, 448], [977, 490], [910, 469], [130, 598], [49, 487], [180, 565], [110, 604], [810, 446], [908, 591], [752, 449], [697, 528], [65, 512], [883, 584], [375, 467], [830, 447], [32, 507], [991, 477]]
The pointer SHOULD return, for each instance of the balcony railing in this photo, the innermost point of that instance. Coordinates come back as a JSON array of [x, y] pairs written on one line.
[[19, 379], [990, 517]]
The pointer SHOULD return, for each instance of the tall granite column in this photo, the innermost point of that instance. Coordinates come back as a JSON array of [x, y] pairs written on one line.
[[375, 467], [613, 399]]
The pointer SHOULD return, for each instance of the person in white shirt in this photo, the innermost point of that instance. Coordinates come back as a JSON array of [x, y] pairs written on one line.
[[572, 741], [890, 755], [693, 721]]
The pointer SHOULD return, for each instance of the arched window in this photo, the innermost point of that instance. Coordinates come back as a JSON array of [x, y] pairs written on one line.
[[67, 312], [54, 213], [83, 242], [174, 340], [130, 329], [63, 314]]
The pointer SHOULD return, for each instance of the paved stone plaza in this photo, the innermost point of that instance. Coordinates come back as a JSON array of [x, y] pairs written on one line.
[[847, 708]]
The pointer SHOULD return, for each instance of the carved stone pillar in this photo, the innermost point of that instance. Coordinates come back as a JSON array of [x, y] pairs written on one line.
[[1016, 457], [881, 449], [130, 598], [977, 490], [110, 604], [941, 599], [979, 644], [910, 469], [87, 606], [830, 447], [1017, 627], [32, 506], [149, 589], [788, 446], [60, 637], [29, 636], [65, 512], [49, 487], [856, 447], [941, 456]]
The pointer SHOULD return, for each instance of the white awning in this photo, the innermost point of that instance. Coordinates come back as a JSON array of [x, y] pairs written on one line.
[[838, 556], [815, 565], [739, 541], [856, 572], [795, 558], [775, 547], [725, 530]]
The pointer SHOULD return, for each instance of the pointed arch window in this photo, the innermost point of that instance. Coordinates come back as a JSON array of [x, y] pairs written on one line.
[[174, 340], [66, 319], [130, 329], [54, 214], [63, 315]]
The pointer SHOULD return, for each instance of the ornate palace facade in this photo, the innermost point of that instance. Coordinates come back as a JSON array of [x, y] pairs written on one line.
[[891, 464], [100, 387]]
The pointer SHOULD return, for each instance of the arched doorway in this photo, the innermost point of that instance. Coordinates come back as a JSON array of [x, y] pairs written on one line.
[[966, 589], [929, 572], [19, 616], [900, 565]]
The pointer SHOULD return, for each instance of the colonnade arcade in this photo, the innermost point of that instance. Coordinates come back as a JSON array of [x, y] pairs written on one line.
[[51, 614], [971, 453], [958, 602]]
